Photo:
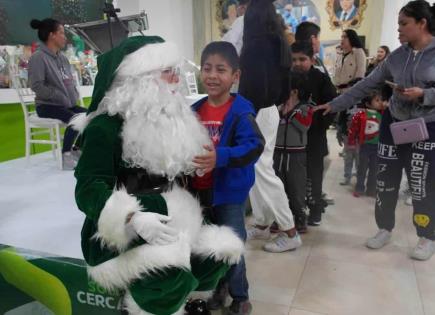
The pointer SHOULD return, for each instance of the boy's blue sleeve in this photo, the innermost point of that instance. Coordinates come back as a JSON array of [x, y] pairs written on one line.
[[246, 147]]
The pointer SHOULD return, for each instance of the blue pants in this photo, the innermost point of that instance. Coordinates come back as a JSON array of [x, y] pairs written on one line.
[[65, 114], [233, 215], [418, 159], [367, 162]]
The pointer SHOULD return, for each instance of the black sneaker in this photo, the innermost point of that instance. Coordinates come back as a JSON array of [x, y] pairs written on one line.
[[239, 308], [217, 300], [196, 307], [314, 220]]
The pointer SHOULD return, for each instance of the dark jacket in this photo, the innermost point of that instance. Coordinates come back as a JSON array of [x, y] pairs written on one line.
[[265, 66], [322, 91], [240, 146]]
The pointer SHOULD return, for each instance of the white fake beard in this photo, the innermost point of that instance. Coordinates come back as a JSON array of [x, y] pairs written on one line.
[[160, 133]]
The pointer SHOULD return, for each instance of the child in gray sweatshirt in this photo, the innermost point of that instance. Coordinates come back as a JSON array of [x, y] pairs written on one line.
[[290, 158]]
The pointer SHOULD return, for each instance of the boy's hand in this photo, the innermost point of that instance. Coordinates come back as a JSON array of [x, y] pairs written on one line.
[[326, 107], [206, 162], [288, 107]]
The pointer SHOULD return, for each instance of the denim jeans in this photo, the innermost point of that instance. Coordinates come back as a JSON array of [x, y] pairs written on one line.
[[233, 216]]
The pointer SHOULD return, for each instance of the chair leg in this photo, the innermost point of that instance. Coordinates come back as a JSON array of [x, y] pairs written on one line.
[[53, 146], [28, 138], [58, 147]]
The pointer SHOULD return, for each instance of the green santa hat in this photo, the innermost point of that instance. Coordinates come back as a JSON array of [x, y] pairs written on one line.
[[134, 56]]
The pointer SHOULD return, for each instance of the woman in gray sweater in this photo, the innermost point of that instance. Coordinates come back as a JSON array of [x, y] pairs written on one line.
[[412, 68], [51, 78]]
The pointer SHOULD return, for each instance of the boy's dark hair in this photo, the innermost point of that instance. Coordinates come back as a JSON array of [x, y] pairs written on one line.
[[354, 40], [300, 82], [307, 29], [419, 10], [303, 47], [45, 27], [224, 49], [369, 98]]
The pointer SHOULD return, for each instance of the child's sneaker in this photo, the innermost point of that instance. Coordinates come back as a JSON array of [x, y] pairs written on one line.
[[283, 243], [379, 240], [239, 308], [424, 250], [356, 194], [255, 233], [314, 219], [345, 182]]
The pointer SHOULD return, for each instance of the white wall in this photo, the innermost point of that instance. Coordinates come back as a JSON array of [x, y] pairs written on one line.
[[170, 19], [389, 34], [128, 7]]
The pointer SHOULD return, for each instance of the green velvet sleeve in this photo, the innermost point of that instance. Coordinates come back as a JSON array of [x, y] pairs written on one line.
[[97, 170]]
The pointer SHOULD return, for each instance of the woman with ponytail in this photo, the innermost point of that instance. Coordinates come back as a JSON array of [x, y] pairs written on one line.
[[52, 81], [411, 68]]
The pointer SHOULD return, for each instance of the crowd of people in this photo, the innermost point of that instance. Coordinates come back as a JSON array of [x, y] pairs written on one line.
[[164, 187]]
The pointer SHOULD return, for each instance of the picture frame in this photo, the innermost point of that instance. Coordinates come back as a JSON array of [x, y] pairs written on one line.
[[226, 14], [345, 13]]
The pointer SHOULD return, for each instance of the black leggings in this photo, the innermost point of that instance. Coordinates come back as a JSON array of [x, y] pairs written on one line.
[[65, 114]]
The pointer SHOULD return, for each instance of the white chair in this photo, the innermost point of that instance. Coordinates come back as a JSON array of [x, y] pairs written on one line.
[[190, 76], [42, 125], [191, 83]]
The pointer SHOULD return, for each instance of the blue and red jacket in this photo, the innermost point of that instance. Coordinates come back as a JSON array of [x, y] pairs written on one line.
[[241, 144]]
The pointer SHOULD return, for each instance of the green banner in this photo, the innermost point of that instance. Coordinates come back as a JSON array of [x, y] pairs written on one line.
[[37, 283]]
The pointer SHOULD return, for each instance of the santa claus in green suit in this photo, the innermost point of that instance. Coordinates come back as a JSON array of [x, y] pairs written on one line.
[[143, 232]]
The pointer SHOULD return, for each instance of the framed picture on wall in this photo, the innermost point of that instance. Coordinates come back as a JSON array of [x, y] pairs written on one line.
[[345, 13], [227, 12]]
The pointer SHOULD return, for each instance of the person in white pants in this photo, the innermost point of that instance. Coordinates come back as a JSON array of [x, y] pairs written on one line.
[[268, 198]]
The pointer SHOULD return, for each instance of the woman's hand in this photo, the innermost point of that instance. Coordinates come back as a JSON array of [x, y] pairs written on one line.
[[326, 107], [413, 93]]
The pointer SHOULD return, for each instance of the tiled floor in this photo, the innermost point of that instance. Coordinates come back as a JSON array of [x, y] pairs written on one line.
[[332, 274]]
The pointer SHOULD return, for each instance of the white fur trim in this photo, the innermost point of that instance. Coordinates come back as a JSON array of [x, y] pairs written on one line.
[[117, 273], [185, 212], [148, 58], [112, 230], [79, 122], [134, 309], [220, 243]]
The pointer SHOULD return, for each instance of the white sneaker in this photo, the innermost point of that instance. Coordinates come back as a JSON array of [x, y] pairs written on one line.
[[76, 154], [68, 161], [283, 243], [424, 250], [254, 233], [379, 240]]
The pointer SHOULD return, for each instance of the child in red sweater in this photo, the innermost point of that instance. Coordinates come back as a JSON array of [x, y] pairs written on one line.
[[364, 132]]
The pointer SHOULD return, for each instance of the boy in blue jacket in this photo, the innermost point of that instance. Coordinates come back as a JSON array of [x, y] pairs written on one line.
[[225, 173]]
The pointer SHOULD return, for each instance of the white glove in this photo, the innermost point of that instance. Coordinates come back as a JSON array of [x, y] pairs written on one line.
[[152, 228]]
